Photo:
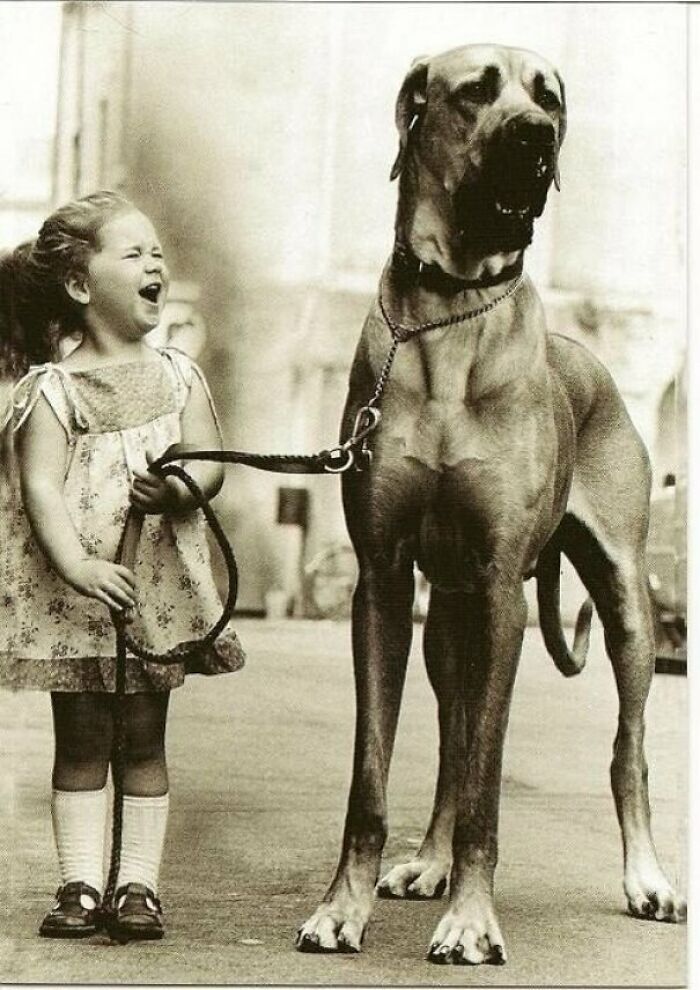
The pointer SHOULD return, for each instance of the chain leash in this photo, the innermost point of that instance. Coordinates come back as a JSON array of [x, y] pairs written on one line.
[[368, 416]]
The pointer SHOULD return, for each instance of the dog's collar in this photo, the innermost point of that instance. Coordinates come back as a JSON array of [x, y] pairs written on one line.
[[407, 266]]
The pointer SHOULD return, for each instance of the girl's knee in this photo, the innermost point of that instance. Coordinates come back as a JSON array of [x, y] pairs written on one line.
[[140, 750]]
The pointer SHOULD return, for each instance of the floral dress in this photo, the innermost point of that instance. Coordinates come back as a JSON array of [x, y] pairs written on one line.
[[51, 637]]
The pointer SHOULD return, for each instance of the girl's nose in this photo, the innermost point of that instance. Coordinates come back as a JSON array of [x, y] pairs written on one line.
[[154, 264]]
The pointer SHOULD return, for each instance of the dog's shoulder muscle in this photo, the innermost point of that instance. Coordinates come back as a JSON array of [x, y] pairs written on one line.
[[587, 383]]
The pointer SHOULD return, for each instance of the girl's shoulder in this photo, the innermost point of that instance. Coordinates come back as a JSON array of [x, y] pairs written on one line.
[[184, 370], [53, 382], [181, 364]]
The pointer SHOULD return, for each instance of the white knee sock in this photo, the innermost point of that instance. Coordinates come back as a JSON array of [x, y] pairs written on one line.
[[143, 834], [79, 829]]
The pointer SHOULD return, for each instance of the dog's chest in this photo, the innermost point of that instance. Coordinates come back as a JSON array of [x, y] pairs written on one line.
[[440, 434], [471, 415], [465, 392], [463, 466]]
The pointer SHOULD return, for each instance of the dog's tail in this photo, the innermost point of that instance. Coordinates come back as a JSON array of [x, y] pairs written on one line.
[[568, 661]]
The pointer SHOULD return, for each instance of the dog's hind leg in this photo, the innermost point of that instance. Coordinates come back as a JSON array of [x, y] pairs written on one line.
[[382, 629], [615, 576], [445, 645]]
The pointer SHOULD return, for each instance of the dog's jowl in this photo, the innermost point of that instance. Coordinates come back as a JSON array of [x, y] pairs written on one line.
[[500, 446]]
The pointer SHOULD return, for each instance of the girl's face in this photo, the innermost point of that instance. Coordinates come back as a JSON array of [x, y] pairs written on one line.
[[127, 280]]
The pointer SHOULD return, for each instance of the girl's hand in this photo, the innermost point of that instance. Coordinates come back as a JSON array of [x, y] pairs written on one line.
[[151, 494], [112, 584]]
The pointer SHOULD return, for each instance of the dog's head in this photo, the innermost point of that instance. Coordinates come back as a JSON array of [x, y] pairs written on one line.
[[480, 129]]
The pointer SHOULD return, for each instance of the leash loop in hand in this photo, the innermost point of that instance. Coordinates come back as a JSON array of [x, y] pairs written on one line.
[[127, 554]]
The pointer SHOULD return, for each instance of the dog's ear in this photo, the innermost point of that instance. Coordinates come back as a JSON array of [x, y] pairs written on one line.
[[409, 104], [562, 127]]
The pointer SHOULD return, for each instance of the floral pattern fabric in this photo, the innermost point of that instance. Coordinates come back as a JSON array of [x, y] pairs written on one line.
[[53, 638]]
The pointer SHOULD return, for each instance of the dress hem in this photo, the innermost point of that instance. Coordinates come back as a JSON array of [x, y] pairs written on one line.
[[98, 674]]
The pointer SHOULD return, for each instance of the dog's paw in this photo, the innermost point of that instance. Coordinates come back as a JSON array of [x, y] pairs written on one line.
[[419, 879], [650, 896], [336, 926], [468, 936]]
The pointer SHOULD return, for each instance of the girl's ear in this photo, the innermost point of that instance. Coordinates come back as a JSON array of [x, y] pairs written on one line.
[[77, 289]]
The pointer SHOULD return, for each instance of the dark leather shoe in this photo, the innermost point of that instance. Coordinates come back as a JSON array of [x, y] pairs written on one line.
[[137, 914], [69, 918]]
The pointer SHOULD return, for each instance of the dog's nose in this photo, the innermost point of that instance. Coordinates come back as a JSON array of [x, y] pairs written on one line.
[[535, 134]]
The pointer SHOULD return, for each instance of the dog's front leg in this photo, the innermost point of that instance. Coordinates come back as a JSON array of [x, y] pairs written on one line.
[[449, 633], [382, 626], [469, 931]]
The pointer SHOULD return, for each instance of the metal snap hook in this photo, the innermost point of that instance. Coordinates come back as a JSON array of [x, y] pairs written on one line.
[[366, 422]]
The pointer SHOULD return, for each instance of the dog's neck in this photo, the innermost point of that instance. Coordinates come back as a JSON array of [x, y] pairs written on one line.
[[409, 303], [479, 342], [410, 271]]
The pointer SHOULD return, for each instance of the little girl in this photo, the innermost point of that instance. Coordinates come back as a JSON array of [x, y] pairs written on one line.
[[84, 430]]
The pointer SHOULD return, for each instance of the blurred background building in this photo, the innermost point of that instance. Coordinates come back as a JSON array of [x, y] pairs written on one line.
[[259, 138], [27, 116]]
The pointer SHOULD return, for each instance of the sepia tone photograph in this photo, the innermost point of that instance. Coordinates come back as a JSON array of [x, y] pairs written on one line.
[[343, 493]]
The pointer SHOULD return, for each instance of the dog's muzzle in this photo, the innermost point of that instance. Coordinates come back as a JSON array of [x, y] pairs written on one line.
[[499, 206]]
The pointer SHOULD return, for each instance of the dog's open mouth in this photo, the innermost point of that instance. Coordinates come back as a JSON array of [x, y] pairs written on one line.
[[496, 213], [520, 196], [519, 184]]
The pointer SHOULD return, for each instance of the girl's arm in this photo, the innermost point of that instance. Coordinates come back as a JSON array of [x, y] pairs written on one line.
[[151, 494], [42, 452]]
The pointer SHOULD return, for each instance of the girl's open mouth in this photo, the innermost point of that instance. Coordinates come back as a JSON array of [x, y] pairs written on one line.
[[151, 292]]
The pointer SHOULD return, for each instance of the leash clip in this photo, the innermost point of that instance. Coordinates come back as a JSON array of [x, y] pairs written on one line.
[[366, 422]]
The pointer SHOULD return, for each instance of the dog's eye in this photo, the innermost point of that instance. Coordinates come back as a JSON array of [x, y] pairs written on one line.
[[549, 101], [475, 92]]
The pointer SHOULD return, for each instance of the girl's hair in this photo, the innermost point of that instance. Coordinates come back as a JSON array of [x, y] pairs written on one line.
[[35, 308]]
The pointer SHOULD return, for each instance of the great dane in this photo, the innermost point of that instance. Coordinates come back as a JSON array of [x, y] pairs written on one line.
[[500, 447]]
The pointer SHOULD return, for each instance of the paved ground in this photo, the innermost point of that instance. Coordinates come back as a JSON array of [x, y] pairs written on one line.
[[260, 766]]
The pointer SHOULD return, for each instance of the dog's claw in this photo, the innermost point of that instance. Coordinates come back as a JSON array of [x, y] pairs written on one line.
[[347, 947], [440, 954], [308, 942], [387, 894], [648, 908], [497, 955]]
